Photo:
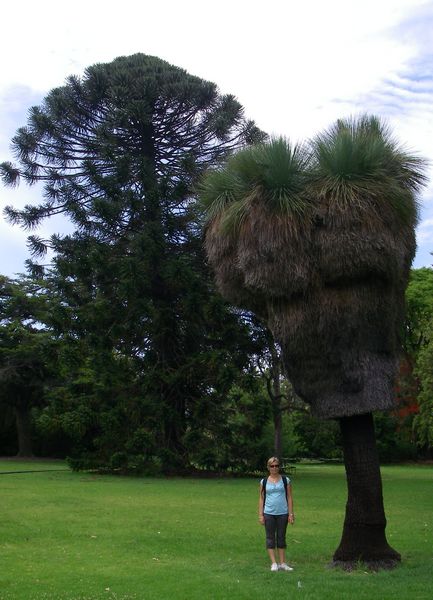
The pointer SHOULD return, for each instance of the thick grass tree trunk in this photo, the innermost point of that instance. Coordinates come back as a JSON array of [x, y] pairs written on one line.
[[363, 539]]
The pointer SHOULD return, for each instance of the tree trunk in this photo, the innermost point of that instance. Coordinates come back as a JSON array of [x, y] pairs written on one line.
[[164, 331], [363, 536], [277, 434], [274, 390], [22, 417]]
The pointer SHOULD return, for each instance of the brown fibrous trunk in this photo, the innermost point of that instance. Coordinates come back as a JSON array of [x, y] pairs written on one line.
[[363, 539]]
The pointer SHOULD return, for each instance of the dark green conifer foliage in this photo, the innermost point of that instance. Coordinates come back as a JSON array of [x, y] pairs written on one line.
[[119, 152], [26, 357]]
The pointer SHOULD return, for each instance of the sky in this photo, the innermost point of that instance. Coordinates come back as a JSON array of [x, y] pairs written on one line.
[[295, 66]]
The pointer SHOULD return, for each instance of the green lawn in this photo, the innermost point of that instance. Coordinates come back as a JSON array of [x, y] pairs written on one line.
[[77, 536]]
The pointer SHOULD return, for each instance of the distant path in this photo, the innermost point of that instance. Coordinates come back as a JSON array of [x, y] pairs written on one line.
[[36, 471]]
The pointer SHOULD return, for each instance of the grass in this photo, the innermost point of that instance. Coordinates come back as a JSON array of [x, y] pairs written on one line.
[[75, 536]]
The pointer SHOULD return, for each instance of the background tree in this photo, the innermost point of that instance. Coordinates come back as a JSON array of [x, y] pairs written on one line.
[[423, 422], [118, 152], [320, 244], [316, 438], [419, 310], [280, 392], [415, 335], [418, 345], [27, 356]]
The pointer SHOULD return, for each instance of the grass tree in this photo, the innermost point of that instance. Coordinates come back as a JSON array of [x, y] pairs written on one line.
[[318, 240]]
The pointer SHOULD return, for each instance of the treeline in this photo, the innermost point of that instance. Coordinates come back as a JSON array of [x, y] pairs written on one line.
[[119, 353], [69, 394]]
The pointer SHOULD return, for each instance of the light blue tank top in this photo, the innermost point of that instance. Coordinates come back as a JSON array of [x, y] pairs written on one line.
[[275, 503]]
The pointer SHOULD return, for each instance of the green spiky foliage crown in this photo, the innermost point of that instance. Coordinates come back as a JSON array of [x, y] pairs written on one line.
[[355, 164], [273, 173]]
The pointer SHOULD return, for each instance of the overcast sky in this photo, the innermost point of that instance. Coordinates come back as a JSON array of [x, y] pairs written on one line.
[[296, 66]]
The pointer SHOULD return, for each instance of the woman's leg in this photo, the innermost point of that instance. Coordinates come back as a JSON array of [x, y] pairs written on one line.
[[270, 528], [281, 526]]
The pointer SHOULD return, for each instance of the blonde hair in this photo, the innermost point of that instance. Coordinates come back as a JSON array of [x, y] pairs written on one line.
[[271, 460]]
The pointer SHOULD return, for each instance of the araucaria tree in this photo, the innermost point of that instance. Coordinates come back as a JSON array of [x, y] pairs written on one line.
[[119, 151], [318, 241]]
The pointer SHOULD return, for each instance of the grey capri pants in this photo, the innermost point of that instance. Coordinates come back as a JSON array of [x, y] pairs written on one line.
[[275, 526]]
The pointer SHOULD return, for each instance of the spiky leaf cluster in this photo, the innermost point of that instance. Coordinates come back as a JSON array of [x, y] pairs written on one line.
[[358, 163], [354, 165], [272, 173]]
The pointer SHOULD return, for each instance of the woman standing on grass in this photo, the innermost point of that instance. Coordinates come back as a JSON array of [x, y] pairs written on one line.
[[275, 511]]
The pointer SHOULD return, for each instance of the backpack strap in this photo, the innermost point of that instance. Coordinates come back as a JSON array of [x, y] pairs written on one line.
[[284, 478], [264, 481]]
